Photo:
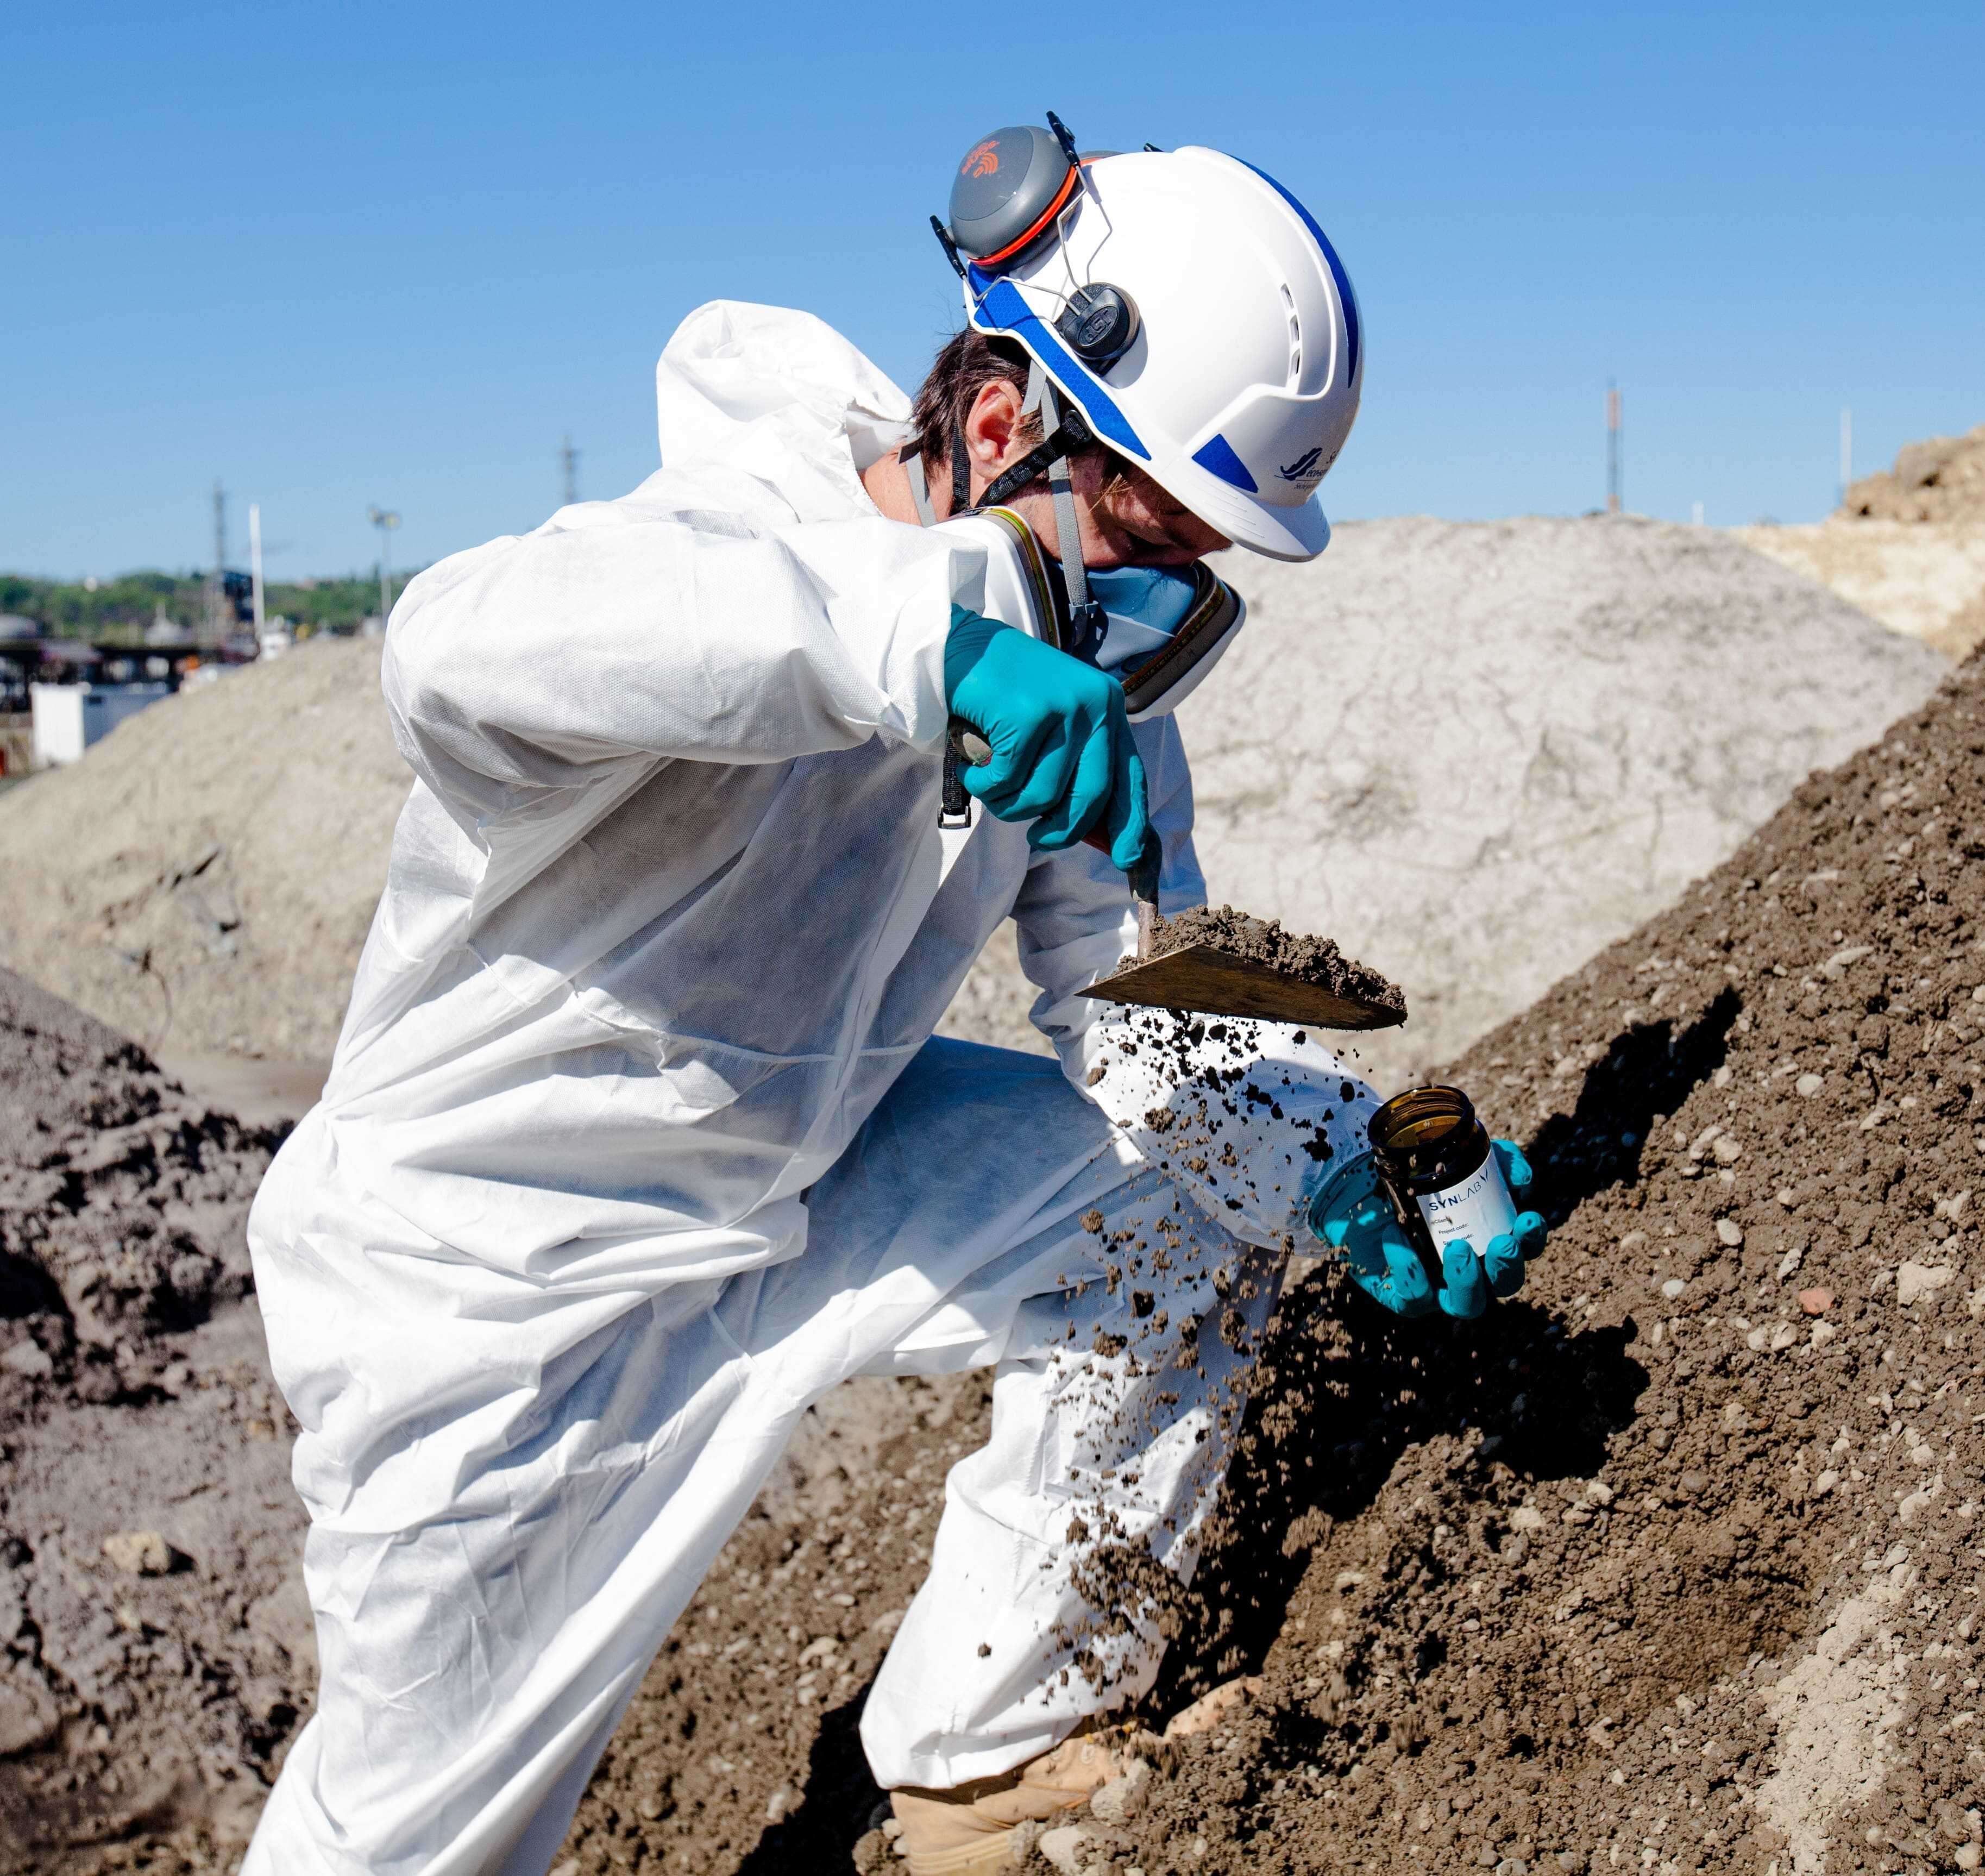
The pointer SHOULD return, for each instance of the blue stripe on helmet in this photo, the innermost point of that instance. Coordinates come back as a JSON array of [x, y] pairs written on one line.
[[1337, 273], [1217, 455], [1001, 309]]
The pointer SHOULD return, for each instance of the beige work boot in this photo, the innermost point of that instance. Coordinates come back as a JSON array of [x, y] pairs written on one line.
[[969, 1830], [1226, 1702]]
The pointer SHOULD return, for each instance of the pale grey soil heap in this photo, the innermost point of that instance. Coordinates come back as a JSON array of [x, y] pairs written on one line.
[[1474, 753], [203, 880]]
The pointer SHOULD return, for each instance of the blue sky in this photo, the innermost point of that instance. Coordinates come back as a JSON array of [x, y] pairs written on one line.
[[337, 255]]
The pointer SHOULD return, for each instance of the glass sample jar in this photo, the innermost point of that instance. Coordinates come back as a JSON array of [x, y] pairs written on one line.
[[1434, 1163]]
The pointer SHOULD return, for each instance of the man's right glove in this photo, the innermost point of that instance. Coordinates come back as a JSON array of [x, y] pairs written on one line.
[[1063, 757], [1351, 1214]]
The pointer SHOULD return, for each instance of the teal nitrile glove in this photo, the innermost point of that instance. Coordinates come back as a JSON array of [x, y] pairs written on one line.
[[1063, 757], [1352, 1215]]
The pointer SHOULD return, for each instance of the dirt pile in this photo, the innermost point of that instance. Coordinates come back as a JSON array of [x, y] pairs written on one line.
[[1907, 546], [154, 1648], [1941, 479], [1925, 579], [1671, 1561], [1472, 754], [122, 1202], [1674, 1561], [203, 879], [1476, 753]]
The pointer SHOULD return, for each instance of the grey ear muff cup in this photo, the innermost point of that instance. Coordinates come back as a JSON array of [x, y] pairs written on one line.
[[1007, 193], [1005, 200]]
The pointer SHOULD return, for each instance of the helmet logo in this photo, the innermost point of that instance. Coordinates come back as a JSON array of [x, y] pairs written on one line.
[[982, 159], [1303, 468]]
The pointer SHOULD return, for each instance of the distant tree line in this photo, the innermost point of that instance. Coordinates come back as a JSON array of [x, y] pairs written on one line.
[[117, 611]]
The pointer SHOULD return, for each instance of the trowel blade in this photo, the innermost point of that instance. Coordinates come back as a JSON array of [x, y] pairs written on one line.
[[1211, 982]]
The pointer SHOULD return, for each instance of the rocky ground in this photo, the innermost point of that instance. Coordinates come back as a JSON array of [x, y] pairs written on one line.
[[1672, 1563], [155, 1648], [1940, 478]]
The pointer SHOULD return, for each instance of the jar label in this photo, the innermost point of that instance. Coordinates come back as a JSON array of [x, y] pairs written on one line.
[[1479, 1210]]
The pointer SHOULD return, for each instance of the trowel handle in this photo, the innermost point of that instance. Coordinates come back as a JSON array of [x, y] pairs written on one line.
[[1144, 889], [968, 745], [972, 750]]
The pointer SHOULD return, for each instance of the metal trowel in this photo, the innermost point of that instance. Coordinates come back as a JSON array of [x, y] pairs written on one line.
[[1200, 976]]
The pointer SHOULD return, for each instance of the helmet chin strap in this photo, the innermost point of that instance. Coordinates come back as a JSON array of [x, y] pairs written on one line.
[[1068, 431]]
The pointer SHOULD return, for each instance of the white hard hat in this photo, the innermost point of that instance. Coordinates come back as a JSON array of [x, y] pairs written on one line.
[[1187, 304]]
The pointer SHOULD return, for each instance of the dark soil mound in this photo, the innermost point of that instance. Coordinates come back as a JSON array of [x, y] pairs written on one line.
[[1670, 1563], [151, 1680], [122, 1201], [1674, 1561]]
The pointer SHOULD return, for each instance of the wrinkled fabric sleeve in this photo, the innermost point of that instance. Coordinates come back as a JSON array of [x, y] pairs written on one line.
[[1291, 1112], [542, 662]]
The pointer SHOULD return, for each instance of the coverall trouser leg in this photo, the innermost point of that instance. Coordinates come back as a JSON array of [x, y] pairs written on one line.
[[476, 1660]]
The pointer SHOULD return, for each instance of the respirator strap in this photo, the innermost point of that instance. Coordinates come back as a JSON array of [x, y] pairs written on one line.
[[912, 457], [1087, 621]]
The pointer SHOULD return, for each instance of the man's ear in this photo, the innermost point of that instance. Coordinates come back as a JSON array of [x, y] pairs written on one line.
[[993, 426]]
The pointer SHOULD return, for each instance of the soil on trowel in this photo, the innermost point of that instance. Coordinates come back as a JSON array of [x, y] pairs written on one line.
[[1290, 954]]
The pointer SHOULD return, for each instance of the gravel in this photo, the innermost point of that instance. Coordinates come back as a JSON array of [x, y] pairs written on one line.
[[1612, 1573]]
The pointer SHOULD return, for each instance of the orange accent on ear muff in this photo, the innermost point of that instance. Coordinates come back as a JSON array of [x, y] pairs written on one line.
[[1047, 215], [982, 160]]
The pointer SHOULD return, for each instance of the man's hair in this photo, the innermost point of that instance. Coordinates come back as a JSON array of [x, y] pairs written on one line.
[[969, 362]]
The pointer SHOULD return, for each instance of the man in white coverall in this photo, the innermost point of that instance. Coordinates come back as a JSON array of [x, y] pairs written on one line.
[[637, 1142]]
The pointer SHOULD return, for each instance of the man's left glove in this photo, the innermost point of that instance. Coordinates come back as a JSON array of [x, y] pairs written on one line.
[[1351, 1214]]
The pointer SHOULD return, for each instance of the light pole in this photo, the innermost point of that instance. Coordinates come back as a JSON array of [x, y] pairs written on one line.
[[255, 564], [385, 520]]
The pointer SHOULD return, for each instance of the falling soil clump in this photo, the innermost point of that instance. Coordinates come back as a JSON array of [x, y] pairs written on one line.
[[1292, 954]]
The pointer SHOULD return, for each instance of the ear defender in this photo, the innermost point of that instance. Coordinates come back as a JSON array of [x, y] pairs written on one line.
[[1009, 192]]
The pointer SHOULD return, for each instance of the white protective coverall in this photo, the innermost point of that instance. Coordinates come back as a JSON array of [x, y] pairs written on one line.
[[636, 1143]]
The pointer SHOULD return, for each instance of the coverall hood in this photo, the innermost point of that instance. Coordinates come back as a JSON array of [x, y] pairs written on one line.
[[778, 394]]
